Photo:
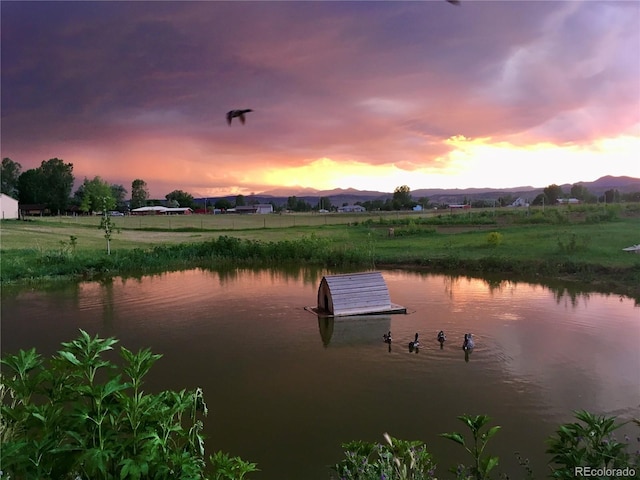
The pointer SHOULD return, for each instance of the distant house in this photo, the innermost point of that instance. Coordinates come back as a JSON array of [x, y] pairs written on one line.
[[264, 208], [9, 207], [417, 208], [154, 210], [568, 201], [245, 209], [159, 210], [352, 209], [459, 206], [519, 202], [178, 211], [34, 209]]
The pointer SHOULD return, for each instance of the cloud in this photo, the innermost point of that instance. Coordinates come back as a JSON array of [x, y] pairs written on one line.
[[126, 86]]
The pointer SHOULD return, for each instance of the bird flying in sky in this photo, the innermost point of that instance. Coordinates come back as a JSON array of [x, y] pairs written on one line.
[[237, 113]]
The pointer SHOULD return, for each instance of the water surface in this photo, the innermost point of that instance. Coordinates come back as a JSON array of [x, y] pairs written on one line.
[[285, 388]]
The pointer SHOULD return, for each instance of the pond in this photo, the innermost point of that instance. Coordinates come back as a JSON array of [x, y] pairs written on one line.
[[285, 388]]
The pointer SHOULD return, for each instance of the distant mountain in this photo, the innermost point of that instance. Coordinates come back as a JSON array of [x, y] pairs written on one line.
[[340, 196]]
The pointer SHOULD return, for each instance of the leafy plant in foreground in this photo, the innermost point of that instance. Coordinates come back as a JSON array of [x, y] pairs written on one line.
[[83, 417], [590, 443], [394, 460], [482, 464]]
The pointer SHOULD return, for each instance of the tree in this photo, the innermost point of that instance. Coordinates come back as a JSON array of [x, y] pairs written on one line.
[[612, 196], [58, 178], [95, 195], [580, 192], [139, 193], [118, 192], [402, 198], [240, 202], [9, 177], [222, 204], [539, 200], [552, 193], [324, 203], [183, 199], [51, 184], [31, 187]]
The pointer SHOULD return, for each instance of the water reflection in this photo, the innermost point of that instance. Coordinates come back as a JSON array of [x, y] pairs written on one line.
[[244, 337], [354, 330]]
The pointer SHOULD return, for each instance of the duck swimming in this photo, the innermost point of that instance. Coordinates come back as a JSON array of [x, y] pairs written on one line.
[[387, 337], [237, 113], [415, 343], [441, 336], [468, 342]]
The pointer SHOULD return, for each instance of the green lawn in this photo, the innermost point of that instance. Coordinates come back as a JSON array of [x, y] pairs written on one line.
[[586, 242]]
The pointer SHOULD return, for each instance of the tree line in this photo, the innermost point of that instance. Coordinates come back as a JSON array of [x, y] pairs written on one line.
[[51, 185]]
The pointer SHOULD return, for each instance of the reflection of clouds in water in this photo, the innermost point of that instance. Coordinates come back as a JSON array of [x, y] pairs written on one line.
[[509, 316], [553, 339]]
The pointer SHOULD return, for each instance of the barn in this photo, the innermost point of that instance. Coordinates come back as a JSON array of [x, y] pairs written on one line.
[[9, 207], [355, 294]]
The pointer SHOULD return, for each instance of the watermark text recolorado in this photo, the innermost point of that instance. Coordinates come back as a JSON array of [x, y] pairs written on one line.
[[604, 472]]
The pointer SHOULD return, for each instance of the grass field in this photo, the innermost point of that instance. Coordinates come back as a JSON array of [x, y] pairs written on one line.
[[585, 243]]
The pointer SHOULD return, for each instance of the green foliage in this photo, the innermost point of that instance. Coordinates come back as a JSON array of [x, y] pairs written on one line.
[[402, 198], [571, 244], [482, 464], [590, 442], [226, 467], [552, 193], [49, 184], [107, 225], [95, 195], [396, 459], [494, 239], [182, 198], [9, 174], [139, 193], [83, 416]]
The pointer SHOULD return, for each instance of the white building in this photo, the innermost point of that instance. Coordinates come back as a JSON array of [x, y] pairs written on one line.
[[519, 202], [351, 209], [9, 207], [264, 208]]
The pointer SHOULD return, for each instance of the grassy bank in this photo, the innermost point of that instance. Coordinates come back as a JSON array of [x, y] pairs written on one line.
[[582, 245]]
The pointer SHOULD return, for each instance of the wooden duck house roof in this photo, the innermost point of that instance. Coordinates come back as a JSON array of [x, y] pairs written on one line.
[[355, 294]]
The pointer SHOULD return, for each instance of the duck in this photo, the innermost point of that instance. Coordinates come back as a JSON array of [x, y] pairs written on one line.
[[415, 342], [468, 342], [387, 337], [454, 2], [237, 113], [441, 336]]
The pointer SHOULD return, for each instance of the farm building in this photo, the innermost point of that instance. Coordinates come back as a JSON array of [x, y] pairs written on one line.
[[159, 210], [264, 208], [9, 207], [352, 209], [355, 294], [569, 201]]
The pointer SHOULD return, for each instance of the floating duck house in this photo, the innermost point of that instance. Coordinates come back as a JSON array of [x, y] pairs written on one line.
[[355, 294]]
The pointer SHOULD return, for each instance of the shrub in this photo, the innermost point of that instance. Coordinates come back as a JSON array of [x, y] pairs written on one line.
[[395, 459], [590, 443], [494, 239], [83, 417]]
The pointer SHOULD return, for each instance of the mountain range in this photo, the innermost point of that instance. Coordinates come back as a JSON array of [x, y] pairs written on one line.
[[340, 196]]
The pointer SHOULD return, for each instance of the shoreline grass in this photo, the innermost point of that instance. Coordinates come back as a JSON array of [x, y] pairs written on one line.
[[582, 246]]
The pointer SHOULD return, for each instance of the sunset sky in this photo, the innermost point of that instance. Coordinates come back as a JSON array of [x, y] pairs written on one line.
[[368, 95]]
